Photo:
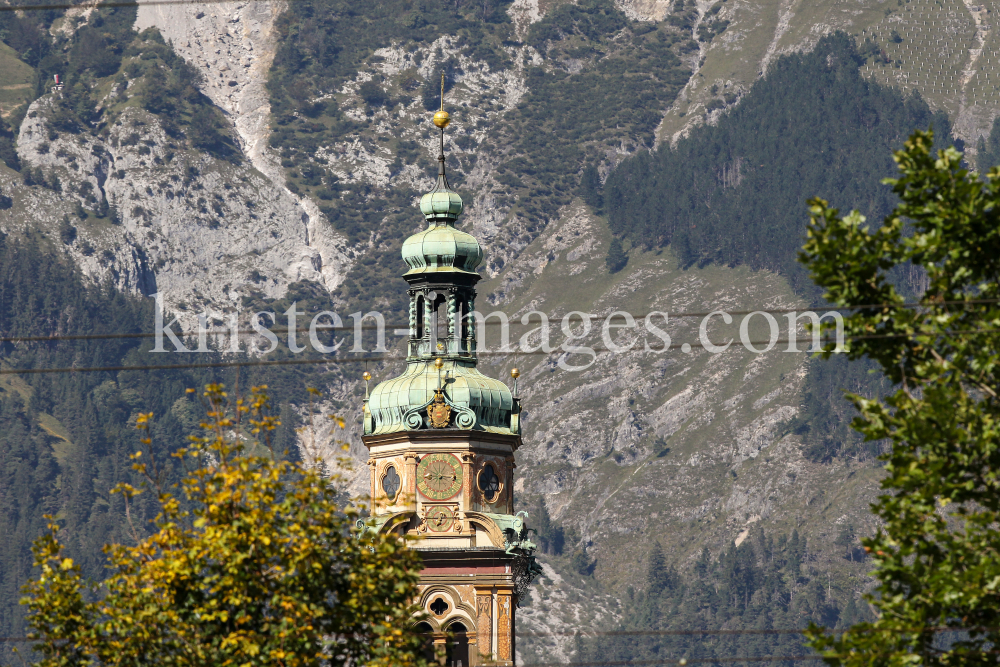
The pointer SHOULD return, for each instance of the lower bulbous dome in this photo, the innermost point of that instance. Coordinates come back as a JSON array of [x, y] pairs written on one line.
[[479, 402], [442, 248]]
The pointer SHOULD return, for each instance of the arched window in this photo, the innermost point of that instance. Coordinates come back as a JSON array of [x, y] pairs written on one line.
[[458, 645], [441, 316], [420, 316], [426, 633]]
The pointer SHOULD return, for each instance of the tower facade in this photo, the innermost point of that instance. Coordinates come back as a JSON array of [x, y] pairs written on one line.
[[441, 438]]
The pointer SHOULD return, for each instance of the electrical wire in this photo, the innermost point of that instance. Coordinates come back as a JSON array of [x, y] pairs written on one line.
[[387, 327], [98, 5], [399, 357], [585, 634], [679, 661]]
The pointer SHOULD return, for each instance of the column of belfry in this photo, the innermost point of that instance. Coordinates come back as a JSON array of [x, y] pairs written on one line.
[[442, 437]]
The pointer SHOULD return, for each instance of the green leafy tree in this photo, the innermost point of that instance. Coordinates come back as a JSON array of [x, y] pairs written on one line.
[[937, 553], [257, 565]]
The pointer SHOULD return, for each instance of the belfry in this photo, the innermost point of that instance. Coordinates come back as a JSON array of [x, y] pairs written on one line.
[[442, 438]]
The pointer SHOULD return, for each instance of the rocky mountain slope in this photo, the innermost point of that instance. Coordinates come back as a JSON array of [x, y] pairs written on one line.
[[321, 144]]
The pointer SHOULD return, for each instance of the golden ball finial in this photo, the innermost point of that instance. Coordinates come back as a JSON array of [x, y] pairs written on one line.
[[441, 119], [514, 373], [367, 376], [439, 363]]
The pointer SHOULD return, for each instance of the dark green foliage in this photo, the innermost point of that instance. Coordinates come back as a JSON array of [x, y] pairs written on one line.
[[988, 150], [72, 111], [549, 536], [872, 51], [206, 133], [567, 120], [319, 49], [659, 577], [760, 585], [735, 193], [590, 188], [709, 29], [97, 46], [67, 232], [824, 423], [590, 20], [582, 563], [940, 500], [372, 93], [616, 259], [164, 82], [7, 151], [42, 472], [27, 35]]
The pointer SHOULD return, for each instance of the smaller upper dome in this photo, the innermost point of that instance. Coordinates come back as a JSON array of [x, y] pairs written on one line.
[[441, 205], [441, 247]]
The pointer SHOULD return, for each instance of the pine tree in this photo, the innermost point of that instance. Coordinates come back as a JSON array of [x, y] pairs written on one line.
[[616, 259]]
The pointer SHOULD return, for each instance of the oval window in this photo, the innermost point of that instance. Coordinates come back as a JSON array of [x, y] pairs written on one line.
[[489, 483], [390, 482]]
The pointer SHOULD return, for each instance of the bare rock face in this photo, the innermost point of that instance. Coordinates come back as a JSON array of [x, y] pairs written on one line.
[[233, 45], [202, 231]]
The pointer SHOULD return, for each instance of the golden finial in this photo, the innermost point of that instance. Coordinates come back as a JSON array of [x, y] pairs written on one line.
[[514, 373], [367, 376], [441, 118], [439, 363]]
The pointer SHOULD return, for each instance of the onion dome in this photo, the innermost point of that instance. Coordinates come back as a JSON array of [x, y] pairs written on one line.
[[441, 387], [478, 402], [441, 247]]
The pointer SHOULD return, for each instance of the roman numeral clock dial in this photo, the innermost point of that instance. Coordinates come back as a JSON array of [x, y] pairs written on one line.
[[439, 476]]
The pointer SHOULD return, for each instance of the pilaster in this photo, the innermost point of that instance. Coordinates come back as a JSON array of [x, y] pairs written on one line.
[[505, 625], [484, 623], [410, 489]]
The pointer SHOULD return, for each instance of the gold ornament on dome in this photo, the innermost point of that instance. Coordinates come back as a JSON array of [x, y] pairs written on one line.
[[439, 412], [441, 119]]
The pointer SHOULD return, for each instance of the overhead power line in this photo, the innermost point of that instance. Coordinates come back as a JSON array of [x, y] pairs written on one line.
[[399, 357], [513, 322], [98, 5], [679, 661]]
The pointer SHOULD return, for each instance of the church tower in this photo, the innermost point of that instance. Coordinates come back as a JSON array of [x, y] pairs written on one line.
[[442, 438]]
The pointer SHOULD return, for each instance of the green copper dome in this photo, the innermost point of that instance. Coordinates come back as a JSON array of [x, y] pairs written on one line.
[[478, 402], [441, 247], [441, 387], [441, 204]]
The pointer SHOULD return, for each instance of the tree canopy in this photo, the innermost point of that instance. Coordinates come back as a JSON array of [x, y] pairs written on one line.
[[937, 553], [256, 564]]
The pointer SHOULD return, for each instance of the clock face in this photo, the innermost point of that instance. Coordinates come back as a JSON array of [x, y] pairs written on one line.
[[439, 476], [440, 519]]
